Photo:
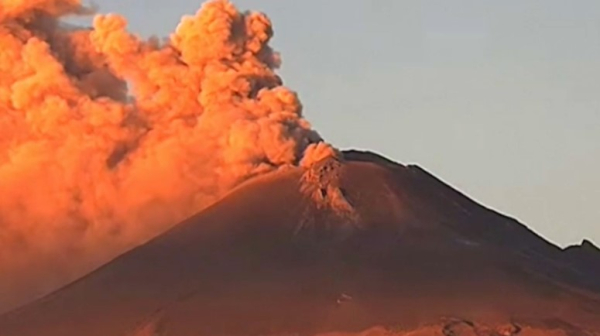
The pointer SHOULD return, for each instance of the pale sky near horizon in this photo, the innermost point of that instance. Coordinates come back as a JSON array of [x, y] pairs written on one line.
[[501, 99]]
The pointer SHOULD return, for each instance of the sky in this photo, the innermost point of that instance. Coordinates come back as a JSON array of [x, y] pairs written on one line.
[[500, 99]]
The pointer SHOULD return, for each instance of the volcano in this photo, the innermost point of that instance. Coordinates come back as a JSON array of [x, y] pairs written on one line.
[[360, 245]]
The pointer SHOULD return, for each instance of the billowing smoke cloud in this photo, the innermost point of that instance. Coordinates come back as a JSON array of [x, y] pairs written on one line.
[[106, 139]]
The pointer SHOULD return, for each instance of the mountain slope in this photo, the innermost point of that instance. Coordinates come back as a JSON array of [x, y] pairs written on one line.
[[342, 247]]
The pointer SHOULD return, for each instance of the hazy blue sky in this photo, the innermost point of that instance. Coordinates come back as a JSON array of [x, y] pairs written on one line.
[[499, 98]]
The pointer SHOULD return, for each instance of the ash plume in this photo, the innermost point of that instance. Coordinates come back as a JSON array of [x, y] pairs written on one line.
[[107, 139]]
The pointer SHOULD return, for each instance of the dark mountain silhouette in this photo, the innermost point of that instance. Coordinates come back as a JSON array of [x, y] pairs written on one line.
[[360, 246]]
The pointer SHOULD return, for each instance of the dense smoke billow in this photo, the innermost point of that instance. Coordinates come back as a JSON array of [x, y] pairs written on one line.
[[106, 139]]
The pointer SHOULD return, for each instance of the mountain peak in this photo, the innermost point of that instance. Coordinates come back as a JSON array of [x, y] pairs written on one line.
[[589, 246]]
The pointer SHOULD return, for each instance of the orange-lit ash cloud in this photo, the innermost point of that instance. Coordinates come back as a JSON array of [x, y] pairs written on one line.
[[90, 167]]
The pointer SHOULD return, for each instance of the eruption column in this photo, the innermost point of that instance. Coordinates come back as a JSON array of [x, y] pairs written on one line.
[[106, 139]]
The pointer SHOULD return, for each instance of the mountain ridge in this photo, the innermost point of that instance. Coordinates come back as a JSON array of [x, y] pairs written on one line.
[[343, 246]]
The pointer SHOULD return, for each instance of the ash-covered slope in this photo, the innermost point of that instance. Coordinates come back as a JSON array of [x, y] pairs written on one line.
[[340, 248]]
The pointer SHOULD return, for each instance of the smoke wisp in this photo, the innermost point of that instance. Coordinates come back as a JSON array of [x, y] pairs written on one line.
[[107, 140]]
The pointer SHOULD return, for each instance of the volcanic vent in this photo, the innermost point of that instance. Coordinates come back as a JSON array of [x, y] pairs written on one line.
[[330, 206]]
